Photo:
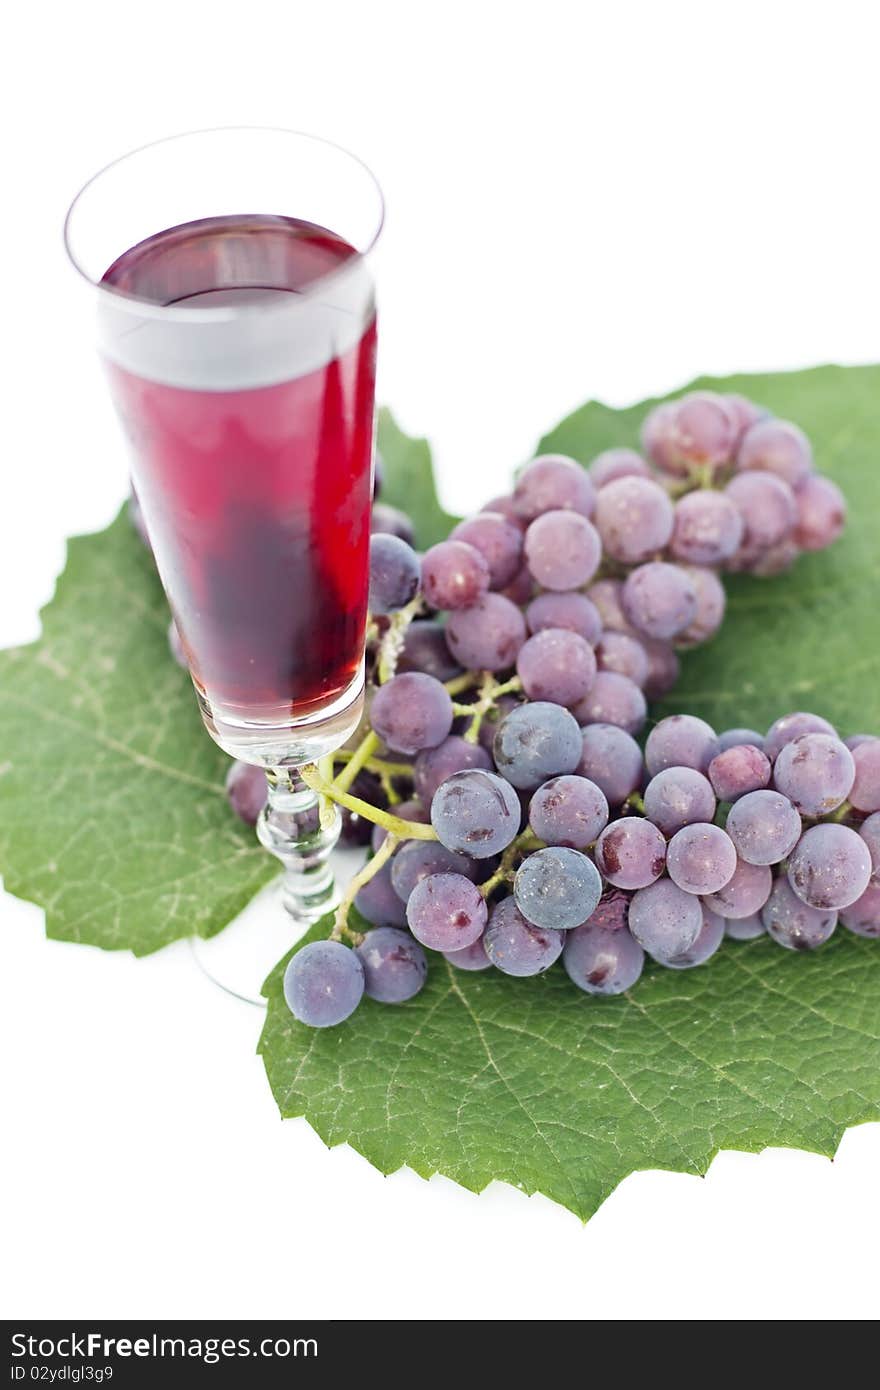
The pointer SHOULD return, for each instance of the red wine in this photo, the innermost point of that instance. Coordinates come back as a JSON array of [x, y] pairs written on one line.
[[250, 411]]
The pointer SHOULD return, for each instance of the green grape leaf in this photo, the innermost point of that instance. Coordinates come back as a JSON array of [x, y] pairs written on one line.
[[483, 1077], [112, 811]]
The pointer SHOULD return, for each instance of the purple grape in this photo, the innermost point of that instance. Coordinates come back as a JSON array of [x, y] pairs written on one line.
[[865, 791], [476, 813], [568, 811], [606, 596], [710, 938], [794, 924], [390, 521], [663, 667], [707, 429], [612, 464], [573, 611], [821, 513], [617, 651], [830, 866], [521, 588], [778, 447], [664, 920], [557, 888], [601, 961], [503, 505], [553, 483], [394, 573], [405, 810], [701, 859], [499, 542], [792, 726], [630, 852], [735, 738], [323, 984], [678, 796], [471, 957], [744, 411], [411, 712], [863, 916], [612, 912], [659, 599], [612, 759], [815, 772], [870, 833], [767, 506], [176, 647], [434, 765], [737, 770], [377, 901], [711, 603], [745, 893], [424, 649], [515, 946], [536, 741], [246, 791], [556, 665], [854, 740], [394, 965], [487, 636], [634, 518], [356, 829], [446, 912], [454, 575], [708, 528], [659, 437], [613, 699], [418, 858], [764, 827], [562, 550], [744, 928], [680, 740]]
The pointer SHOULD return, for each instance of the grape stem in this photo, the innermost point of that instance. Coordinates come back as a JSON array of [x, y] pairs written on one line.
[[395, 825], [465, 681], [392, 643], [359, 758], [370, 869], [523, 844], [490, 691]]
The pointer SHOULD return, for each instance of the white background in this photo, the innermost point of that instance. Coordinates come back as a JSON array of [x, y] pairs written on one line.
[[582, 199]]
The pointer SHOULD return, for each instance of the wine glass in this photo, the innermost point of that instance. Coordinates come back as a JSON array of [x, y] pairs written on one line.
[[236, 321]]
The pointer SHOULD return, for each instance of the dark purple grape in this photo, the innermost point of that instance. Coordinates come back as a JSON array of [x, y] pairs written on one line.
[[521, 588], [764, 827], [735, 738], [390, 521], [792, 923], [745, 893], [634, 518], [417, 859], [612, 759], [738, 770], [323, 983], [454, 575], [613, 699], [394, 573], [659, 599], [617, 651], [471, 957], [863, 916], [553, 483], [678, 796], [744, 928], [394, 965], [488, 635], [446, 912], [792, 726], [830, 867], [708, 528], [246, 791], [434, 765], [681, 740], [710, 938], [498, 541], [600, 961], [424, 649], [870, 833], [630, 852], [515, 946], [356, 829], [476, 813], [701, 859], [816, 773], [865, 791], [556, 665], [536, 741], [665, 920], [573, 611], [411, 712], [569, 811], [557, 888], [377, 901], [562, 550]]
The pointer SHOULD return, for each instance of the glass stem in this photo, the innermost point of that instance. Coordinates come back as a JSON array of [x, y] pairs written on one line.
[[290, 828]]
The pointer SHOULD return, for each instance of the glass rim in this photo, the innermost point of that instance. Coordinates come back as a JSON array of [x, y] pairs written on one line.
[[219, 313]]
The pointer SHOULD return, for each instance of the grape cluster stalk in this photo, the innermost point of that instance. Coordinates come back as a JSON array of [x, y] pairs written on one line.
[[514, 819]]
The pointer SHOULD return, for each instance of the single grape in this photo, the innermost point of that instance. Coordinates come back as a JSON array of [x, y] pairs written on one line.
[[870, 833], [394, 965], [476, 813], [794, 924], [767, 507], [553, 483], [536, 741], [821, 513], [630, 852], [613, 699], [176, 647], [764, 826], [606, 597], [680, 740], [568, 811], [745, 893], [791, 726], [737, 770], [854, 740], [711, 603], [708, 528], [454, 575], [515, 946], [744, 928], [779, 447], [709, 939], [557, 888], [863, 916], [663, 667], [830, 866], [377, 901], [701, 858], [471, 957], [612, 759], [617, 651], [411, 712], [556, 665], [865, 791], [434, 765], [707, 429], [735, 738], [390, 521], [664, 920], [562, 550], [503, 505], [488, 635], [417, 859], [573, 611], [634, 518], [394, 573], [815, 772], [424, 649], [678, 796], [600, 961], [246, 791], [499, 542], [612, 464], [612, 912], [660, 437], [745, 412], [446, 912], [323, 983], [659, 599], [405, 810]]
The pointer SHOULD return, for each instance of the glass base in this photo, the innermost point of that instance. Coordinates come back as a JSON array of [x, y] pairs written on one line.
[[289, 740]]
